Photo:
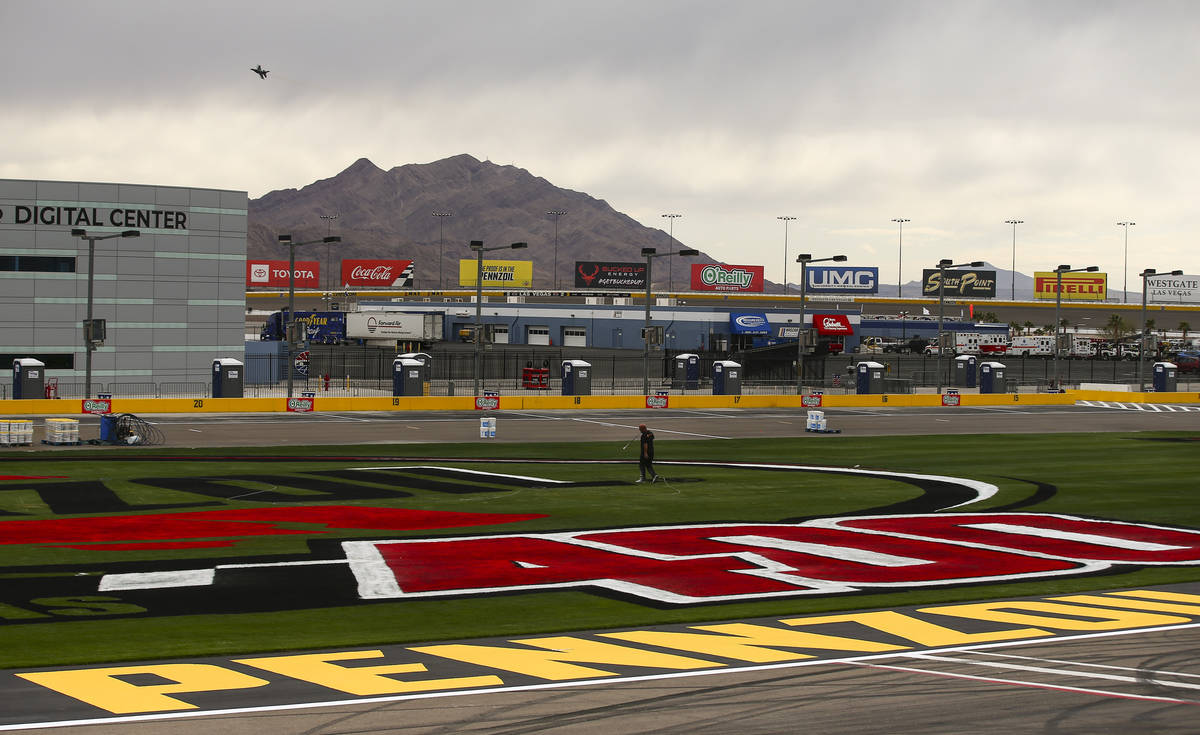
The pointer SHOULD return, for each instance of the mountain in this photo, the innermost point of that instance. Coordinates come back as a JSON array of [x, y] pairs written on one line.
[[390, 214]]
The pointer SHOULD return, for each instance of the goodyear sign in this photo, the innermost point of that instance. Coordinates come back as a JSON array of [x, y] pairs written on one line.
[[497, 273], [1075, 286]]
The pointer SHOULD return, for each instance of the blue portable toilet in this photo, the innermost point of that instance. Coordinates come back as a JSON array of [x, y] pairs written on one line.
[[1164, 377], [687, 371], [964, 371], [227, 378], [408, 377], [727, 378], [869, 377], [29, 378], [991, 377], [576, 378]]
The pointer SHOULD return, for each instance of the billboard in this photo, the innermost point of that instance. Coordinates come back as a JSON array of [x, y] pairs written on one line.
[[718, 277], [596, 274], [1075, 286], [377, 273], [497, 273], [832, 324], [1173, 289], [842, 279], [970, 283], [274, 273]]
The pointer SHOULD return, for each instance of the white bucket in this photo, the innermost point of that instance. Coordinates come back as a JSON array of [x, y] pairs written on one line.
[[487, 427]]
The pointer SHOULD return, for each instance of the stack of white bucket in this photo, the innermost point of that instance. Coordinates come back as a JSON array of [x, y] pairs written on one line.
[[816, 421], [14, 432], [62, 431], [487, 427]]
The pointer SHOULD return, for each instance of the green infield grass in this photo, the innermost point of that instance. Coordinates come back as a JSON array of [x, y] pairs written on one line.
[[1148, 478]]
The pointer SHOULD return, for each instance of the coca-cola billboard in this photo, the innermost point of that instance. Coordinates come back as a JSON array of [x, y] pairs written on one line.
[[378, 273], [274, 273]]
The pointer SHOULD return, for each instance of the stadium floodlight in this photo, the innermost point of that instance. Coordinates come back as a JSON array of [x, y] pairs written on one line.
[[89, 325], [804, 259], [477, 337], [650, 254], [291, 315], [944, 265]]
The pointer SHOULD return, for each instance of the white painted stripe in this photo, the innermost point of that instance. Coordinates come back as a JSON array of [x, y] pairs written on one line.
[[1084, 664], [459, 470], [1017, 682], [1083, 538], [375, 579], [157, 580], [842, 553], [1045, 670]]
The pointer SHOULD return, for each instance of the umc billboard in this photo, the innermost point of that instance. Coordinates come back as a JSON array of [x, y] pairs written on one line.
[[842, 279]]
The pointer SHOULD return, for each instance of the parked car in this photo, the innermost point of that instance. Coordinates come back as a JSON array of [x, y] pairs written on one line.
[[1187, 362]]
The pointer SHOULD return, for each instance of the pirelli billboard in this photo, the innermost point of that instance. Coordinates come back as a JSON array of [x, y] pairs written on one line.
[[1075, 286], [497, 273]]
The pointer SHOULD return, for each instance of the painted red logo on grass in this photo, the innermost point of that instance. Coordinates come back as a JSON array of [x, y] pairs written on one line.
[[714, 563]]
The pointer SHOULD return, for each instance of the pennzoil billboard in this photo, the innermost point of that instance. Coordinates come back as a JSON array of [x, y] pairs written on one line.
[[497, 273], [1075, 286]]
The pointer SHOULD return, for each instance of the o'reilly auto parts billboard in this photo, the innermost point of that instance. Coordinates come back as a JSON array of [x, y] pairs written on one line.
[[1168, 289], [842, 279], [1075, 286], [969, 283], [274, 273], [596, 274], [377, 273], [717, 277]]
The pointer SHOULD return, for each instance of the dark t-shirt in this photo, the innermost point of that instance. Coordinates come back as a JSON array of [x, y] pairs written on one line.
[[648, 445]]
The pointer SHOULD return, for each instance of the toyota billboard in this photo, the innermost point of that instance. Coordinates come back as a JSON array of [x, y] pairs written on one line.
[[718, 277], [274, 273], [842, 279], [593, 274], [377, 273], [969, 283]]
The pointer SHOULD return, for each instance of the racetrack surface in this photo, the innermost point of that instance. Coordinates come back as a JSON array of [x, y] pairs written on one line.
[[1144, 681]]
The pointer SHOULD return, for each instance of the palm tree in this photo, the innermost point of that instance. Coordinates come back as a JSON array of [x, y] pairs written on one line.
[[1184, 327], [1028, 327], [1014, 328], [1116, 328]]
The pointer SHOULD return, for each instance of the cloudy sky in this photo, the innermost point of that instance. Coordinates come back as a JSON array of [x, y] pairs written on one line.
[[956, 115]]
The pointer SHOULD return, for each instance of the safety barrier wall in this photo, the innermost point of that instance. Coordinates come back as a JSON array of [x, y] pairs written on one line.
[[42, 407]]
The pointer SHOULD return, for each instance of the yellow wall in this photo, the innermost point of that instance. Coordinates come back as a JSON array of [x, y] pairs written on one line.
[[42, 407]]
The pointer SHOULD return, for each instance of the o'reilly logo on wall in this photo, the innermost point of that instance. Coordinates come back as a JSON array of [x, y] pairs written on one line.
[[842, 279], [959, 283], [67, 215]]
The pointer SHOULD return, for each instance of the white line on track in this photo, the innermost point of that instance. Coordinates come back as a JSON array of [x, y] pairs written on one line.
[[1087, 665], [1047, 670], [622, 425]]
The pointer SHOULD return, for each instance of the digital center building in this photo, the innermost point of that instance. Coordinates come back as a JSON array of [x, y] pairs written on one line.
[[173, 298]]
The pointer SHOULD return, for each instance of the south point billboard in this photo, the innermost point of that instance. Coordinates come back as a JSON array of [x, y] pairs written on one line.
[[970, 283], [497, 273]]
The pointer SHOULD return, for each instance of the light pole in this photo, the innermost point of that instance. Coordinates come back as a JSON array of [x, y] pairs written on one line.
[[671, 244], [804, 259], [1058, 274], [477, 246], [944, 265], [651, 254], [441, 247], [556, 213], [329, 218], [1142, 349], [900, 258], [785, 219], [1125, 270], [92, 336], [1014, 223], [291, 315]]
